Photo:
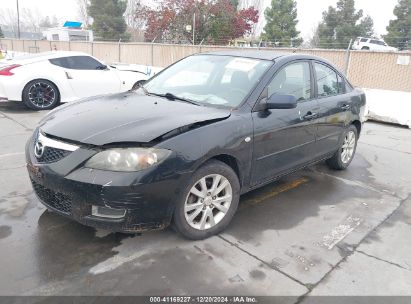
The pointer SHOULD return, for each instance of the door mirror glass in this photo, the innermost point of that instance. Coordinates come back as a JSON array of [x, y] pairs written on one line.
[[101, 67], [281, 101]]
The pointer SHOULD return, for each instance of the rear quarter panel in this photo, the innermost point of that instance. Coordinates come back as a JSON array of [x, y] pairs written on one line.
[[358, 105], [39, 70]]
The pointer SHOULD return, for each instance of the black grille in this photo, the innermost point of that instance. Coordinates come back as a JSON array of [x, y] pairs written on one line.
[[58, 201], [51, 155]]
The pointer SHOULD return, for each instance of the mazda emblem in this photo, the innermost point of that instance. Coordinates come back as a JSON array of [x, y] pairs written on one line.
[[38, 149]]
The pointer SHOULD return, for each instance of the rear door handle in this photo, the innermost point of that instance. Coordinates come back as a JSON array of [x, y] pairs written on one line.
[[345, 107], [310, 115]]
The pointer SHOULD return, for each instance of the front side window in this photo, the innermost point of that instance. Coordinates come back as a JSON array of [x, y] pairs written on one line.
[[294, 80], [210, 79], [327, 81]]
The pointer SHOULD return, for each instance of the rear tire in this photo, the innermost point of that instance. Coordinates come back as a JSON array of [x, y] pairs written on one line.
[[345, 154], [365, 48], [41, 94], [209, 201]]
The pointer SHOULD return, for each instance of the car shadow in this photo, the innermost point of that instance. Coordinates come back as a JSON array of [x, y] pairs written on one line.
[[280, 206], [14, 107], [65, 247]]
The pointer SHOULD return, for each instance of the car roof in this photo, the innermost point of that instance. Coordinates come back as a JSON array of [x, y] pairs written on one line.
[[264, 54], [32, 58], [380, 39], [254, 54]]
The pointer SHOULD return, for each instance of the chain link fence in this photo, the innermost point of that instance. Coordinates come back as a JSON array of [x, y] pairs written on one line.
[[374, 70]]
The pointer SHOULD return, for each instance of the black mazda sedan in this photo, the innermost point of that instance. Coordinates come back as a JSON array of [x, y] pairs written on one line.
[[185, 145]]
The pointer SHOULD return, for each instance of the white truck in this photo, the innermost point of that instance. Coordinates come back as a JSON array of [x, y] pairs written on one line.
[[372, 44]]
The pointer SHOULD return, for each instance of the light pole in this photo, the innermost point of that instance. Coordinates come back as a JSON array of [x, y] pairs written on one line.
[[18, 20], [194, 28]]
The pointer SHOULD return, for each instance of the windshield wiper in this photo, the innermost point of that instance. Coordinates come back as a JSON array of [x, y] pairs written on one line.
[[171, 96]]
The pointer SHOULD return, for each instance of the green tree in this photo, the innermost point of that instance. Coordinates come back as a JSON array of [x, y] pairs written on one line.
[[342, 23], [216, 21], [234, 3], [281, 24], [1, 33], [399, 29], [108, 20]]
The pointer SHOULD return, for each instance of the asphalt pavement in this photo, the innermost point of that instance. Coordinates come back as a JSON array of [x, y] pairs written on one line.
[[316, 232]]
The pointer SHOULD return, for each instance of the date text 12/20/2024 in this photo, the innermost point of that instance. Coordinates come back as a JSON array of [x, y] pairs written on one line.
[[205, 299]]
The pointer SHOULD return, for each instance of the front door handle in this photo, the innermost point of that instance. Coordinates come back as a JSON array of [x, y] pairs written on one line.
[[345, 107], [310, 115]]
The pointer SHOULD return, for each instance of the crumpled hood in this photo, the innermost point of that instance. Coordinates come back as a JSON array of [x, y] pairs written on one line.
[[126, 117]]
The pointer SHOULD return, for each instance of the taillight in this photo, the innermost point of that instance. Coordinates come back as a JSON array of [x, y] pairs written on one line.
[[6, 71]]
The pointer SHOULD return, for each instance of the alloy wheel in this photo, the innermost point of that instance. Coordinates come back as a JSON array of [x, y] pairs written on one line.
[[41, 94], [208, 201], [347, 150]]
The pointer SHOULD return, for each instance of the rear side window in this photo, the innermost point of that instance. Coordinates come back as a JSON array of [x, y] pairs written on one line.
[[77, 62], [327, 80], [377, 42], [294, 79], [364, 40]]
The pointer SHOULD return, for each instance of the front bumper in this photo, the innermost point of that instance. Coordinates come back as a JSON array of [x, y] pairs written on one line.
[[148, 198]]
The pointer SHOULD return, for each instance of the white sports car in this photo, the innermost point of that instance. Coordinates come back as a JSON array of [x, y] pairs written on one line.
[[44, 80]]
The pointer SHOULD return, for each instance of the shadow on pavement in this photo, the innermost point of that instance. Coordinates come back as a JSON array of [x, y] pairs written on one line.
[[14, 107]]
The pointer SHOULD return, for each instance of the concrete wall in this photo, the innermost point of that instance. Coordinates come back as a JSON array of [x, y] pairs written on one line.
[[375, 70]]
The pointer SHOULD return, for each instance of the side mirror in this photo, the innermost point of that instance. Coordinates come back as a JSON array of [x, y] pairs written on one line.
[[281, 101], [138, 84], [102, 67]]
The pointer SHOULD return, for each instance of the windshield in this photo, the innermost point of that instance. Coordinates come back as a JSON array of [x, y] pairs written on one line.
[[210, 79]]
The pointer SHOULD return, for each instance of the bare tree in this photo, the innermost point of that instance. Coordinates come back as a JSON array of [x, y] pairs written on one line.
[[82, 6], [8, 17], [135, 8], [54, 21], [258, 5], [31, 20], [135, 18], [315, 37], [248, 3]]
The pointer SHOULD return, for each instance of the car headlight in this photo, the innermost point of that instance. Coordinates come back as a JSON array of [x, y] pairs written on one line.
[[127, 159]]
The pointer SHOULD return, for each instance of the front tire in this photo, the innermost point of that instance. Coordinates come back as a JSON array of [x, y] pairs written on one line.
[[209, 201], [345, 154], [41, 94]]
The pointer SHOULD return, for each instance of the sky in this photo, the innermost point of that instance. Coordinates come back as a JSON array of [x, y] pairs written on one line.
[[309, 11]]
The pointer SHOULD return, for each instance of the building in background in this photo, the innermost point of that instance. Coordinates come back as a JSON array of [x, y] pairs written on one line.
[[71, 31]]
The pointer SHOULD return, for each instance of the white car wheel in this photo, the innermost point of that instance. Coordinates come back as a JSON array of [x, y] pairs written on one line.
[[41, 94]]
